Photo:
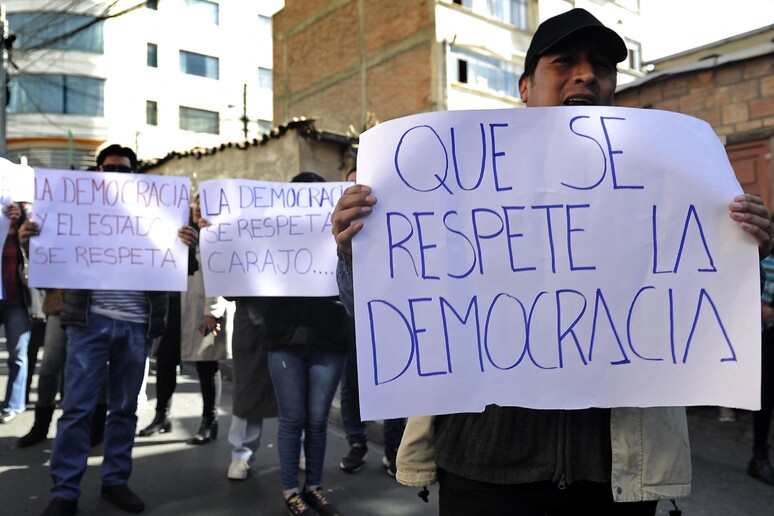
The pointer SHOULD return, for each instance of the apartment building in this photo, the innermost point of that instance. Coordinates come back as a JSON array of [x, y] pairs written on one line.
[[157, 76], [349, 63]]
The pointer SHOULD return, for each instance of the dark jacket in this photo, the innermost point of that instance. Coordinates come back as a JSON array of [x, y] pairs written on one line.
[[75, 310], [310, 323]]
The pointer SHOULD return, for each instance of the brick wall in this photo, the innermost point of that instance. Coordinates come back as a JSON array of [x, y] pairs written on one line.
[[737, 99], [335, 62]]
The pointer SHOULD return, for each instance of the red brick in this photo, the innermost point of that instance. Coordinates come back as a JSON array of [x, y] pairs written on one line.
[[762, 108], [701, 81], [711, 115], [745, 90], [760, 67], [748, 126], [736, 113], [767, 86], [728, 75], [690, 104], [675, 87], [390, 22]]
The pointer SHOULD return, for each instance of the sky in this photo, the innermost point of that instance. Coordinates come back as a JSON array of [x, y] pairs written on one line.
[[688, 24]]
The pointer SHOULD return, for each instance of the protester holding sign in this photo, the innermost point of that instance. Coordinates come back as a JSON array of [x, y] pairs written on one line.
[[307, 338], [107, 331], [512, 460], [14, 316]]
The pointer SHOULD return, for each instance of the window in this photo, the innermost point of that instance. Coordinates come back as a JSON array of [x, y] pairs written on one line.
[[264, 27], [264, 126], [634, 59], [204, 10], [514, 12], [151, 112], [64, 31], [264, 78], [153, 55], [67, 94], [487, 73], [199, 120], [198, 64], [152, 4]]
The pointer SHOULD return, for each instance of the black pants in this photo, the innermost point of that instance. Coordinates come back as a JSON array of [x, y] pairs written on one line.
[[207, 371], [462, 497], [762, 418], [168, 356]]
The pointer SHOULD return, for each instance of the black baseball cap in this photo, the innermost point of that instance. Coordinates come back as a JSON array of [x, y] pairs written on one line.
[[557, 29]]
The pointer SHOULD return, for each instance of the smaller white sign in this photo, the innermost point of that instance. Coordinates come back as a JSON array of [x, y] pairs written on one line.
[[268, 238]]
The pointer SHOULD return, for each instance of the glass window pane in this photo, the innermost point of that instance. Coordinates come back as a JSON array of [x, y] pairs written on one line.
[[151, 112], [64, 31], [67, 94], [152, 4], [264, 78], [204, 10], [199, 120], [153, 55], [488, 73], [199, 64]]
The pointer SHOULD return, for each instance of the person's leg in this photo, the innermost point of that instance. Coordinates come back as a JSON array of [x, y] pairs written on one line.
[[50, 371], [355, 429], [17, 334], [127, 364], [244, 435], [49, 376], [323, 377], [37, 336], [289, 375], [209, 378], [760, 466], [88, 351]]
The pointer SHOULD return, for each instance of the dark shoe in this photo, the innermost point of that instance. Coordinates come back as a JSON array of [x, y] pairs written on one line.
[[208, 431], [160, 424], [39, 430], [316, 500], [760, 469], [389, 461], [60, 507], [353, 461], [98, 420], [296, 506], [123, 498], [7, 416]]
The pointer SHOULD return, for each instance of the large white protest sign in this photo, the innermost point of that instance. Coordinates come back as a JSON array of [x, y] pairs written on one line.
[[107, 230], [552, 258], [268, 238]]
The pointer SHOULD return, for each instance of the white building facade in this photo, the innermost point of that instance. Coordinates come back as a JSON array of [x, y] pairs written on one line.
[[156, 76], [484, 44]]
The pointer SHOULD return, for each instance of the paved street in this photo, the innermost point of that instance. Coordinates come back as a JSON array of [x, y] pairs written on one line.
[[174, 478]]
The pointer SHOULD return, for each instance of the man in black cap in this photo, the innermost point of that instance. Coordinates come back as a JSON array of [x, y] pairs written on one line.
[[512, 460]]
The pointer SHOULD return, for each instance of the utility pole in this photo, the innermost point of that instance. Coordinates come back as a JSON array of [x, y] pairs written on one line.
[[244, 118]]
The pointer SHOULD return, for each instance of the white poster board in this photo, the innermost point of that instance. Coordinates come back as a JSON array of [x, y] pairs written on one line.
[[109, 231], [555, 258], [268, 238]]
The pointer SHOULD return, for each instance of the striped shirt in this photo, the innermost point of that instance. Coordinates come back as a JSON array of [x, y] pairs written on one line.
[[121, 305]]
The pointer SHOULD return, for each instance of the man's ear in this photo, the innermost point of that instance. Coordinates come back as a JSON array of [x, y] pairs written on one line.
[[523, 88]]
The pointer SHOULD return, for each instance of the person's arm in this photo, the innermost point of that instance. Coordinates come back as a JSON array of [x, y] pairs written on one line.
[[752, 216], [356, 203]]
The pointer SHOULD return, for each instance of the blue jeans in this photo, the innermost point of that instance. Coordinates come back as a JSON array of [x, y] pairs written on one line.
[[104, 345], [304, 384], [17, 324], [354, 427]]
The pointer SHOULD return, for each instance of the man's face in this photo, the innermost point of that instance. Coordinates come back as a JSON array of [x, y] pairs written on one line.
[[570, 76], [114, 163]]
